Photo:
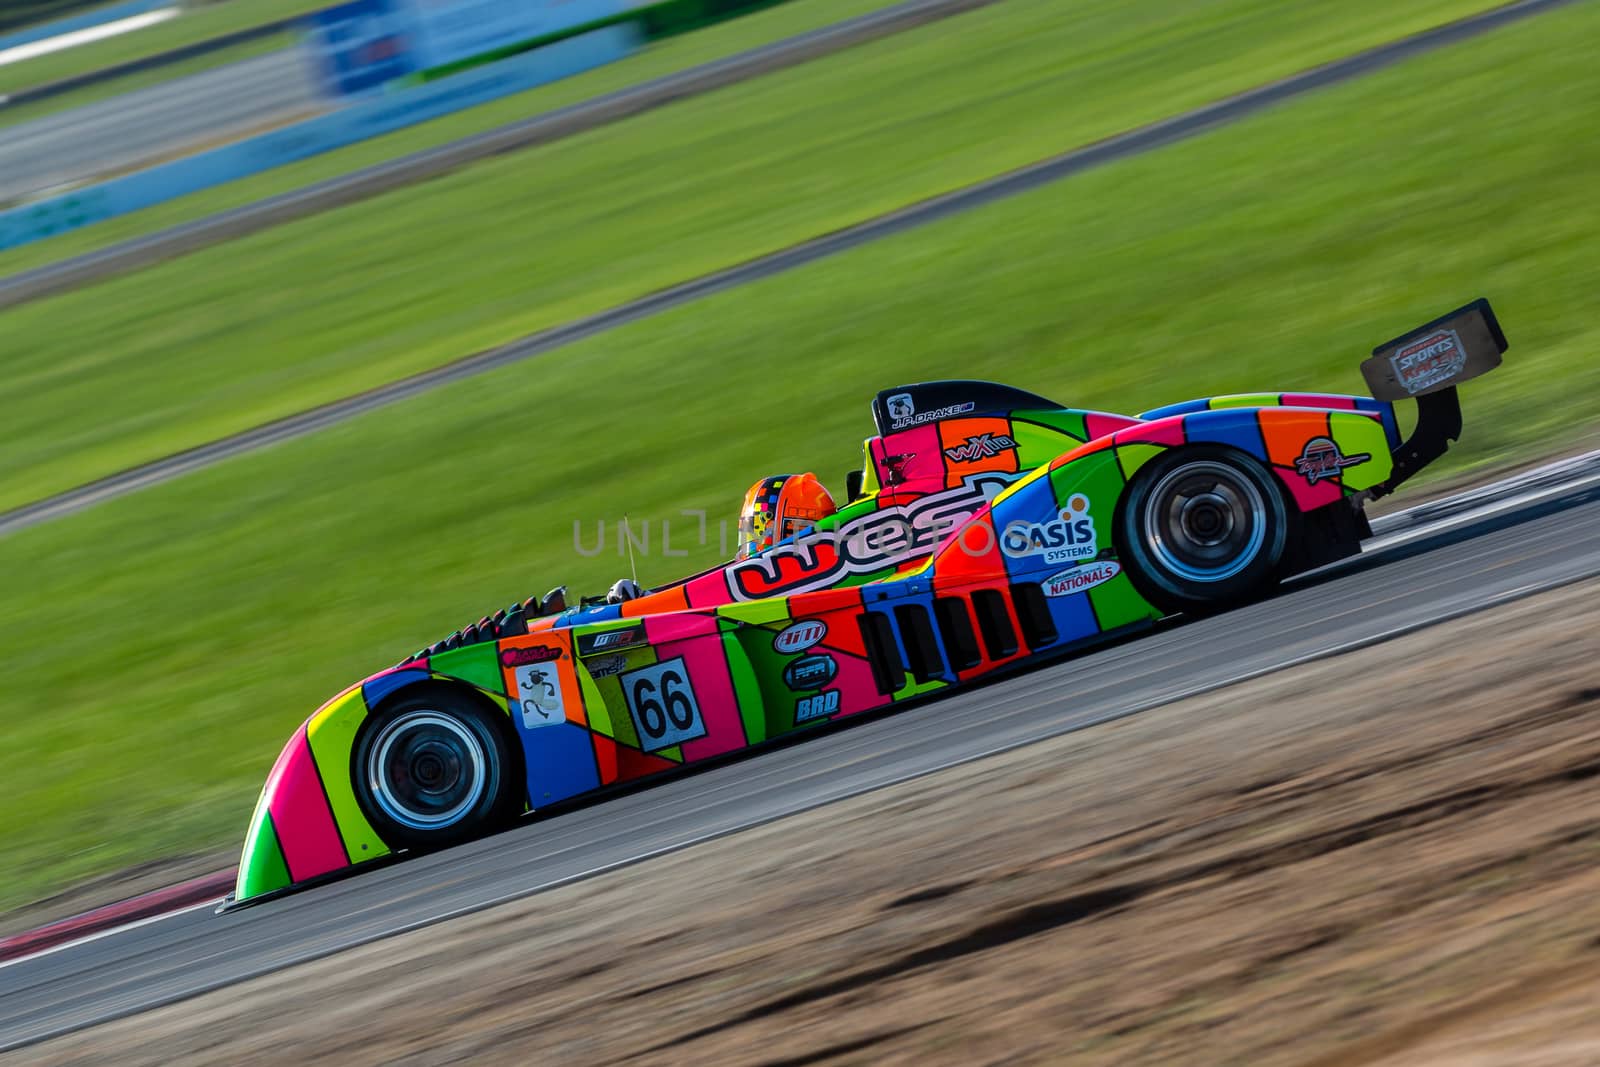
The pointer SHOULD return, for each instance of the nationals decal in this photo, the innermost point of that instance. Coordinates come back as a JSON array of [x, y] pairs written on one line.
[[882, 539]]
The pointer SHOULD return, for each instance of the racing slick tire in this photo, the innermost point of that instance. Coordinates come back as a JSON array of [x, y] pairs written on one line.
[[432, 769], [1202, 527]]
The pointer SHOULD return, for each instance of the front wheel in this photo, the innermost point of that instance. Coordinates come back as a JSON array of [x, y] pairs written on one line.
[[1202, 527], [431, 769]]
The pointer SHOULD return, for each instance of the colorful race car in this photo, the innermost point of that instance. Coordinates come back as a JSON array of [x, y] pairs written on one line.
[[988, 528]]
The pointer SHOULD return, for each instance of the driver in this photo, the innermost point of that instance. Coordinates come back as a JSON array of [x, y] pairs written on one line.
[[779, 507]]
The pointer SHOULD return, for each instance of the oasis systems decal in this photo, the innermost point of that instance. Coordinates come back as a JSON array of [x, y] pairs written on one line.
[[1068, 538]]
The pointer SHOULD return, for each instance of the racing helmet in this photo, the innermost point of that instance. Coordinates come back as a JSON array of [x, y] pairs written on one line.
[[779, 507]]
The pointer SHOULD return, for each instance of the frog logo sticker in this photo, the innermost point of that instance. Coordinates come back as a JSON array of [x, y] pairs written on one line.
[[1068, 538]]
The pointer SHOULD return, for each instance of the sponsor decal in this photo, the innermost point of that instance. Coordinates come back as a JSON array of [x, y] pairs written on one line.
[[1321, 459], [799, 636], [810, 672], [926, 417], [538, 697], [983, 446], [883, 538], [820, 706], [517, 657], [1080, 578], [1429, 360], [1068, 538], [901, 407], [606, 666], [610, 640], [661, 700]]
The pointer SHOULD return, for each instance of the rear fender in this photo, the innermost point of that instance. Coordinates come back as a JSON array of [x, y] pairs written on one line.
[[1331, 401]]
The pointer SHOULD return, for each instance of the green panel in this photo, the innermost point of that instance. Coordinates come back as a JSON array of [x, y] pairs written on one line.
[[747, 688], [262, 868], [1099, 477], [1037, 445], [1071, 423], [1132, 457], [1245, 400], [1355, 434], [913, 689], [673, 753], [477, 665], [1117, 603], [757, 612], [332, 736], [594, 702]]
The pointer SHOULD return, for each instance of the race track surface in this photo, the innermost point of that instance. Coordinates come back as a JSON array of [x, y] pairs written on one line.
[[1419, 574]]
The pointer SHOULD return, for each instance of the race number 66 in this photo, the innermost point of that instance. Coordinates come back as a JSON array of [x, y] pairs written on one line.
[[661, 700]]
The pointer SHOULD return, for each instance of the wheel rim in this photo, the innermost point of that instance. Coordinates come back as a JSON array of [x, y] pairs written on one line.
[[426, 769], [1205, 521]]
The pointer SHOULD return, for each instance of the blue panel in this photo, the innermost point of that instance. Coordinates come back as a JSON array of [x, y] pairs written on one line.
[[378, 688], [560, 761], [1238, 427], [583, 616], [1073, 616], [1186, 408]]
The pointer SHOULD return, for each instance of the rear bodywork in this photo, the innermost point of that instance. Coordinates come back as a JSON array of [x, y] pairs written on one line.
[[981, 536]]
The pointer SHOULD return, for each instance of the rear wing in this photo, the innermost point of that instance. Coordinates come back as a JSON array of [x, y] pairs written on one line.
[[1426, 365]]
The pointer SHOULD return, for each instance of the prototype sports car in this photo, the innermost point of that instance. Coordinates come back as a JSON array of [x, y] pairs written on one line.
[[987, 528]]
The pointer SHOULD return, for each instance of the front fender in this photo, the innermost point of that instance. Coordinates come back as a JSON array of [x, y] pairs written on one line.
[[307, 823]]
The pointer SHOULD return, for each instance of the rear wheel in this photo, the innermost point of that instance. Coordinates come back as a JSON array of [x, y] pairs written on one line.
[[1202, 527], [432, 769]]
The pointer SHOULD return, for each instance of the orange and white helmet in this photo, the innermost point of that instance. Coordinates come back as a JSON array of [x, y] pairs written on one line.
[[779, 507]]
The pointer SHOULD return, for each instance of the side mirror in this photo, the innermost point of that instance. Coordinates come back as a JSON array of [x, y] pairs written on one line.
[[852, 485], [1451, 349]]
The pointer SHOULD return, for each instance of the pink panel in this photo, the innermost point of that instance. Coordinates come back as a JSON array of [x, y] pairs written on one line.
[[713, 691], [924, 471], [1165, 432], [708, 590], [857, 690], [1098, 423], [1318, 400], [677, 627], [300, 811], [1305, 494]]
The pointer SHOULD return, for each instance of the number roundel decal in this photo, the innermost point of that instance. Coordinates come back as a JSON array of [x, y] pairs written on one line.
[[662, 703]]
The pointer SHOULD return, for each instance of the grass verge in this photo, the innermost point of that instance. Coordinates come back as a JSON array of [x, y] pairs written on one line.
[[328, 306], [162, 646]]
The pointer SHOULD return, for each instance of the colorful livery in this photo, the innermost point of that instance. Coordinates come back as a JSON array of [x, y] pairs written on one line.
[[988, 528]]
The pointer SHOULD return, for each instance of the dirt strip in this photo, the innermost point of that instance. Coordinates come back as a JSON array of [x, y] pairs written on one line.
[[1383, 858]]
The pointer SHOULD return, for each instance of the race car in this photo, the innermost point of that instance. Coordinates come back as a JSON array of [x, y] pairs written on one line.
[[987, 529]]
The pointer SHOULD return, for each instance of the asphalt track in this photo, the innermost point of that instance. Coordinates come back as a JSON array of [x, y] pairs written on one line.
[[1145, 139], [1421, 572]]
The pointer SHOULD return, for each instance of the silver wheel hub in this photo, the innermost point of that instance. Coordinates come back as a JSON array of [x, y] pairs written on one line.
[[426, 770], [1205, 521]]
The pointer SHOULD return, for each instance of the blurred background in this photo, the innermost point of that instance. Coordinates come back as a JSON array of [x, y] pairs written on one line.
[[221, 216]]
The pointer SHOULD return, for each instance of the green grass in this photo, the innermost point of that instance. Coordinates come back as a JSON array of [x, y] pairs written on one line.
[[195, 25], [162, 646], [667, 57], [328, 306], [13, 114]]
